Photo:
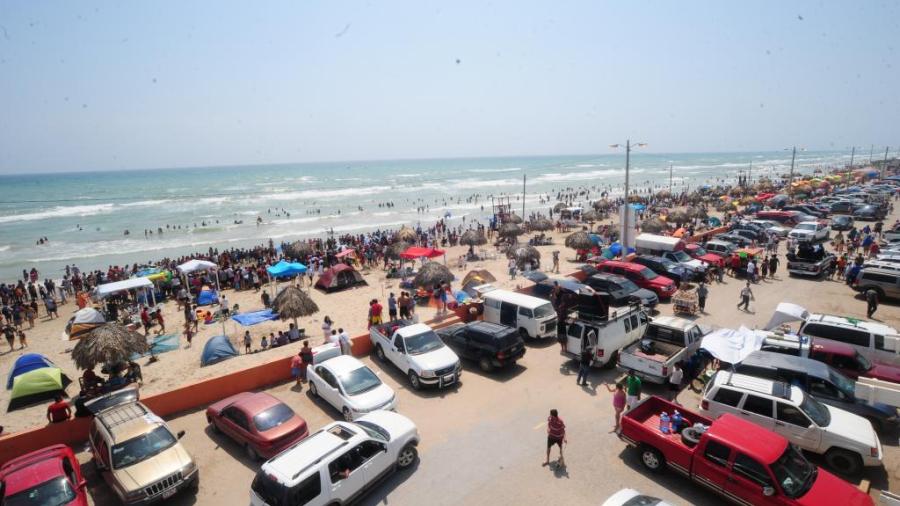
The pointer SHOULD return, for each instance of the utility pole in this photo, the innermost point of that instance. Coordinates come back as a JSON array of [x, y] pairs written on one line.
[[852, 152], [625, 228], [670, 180], [791, 180], [749, 172], [884, 163], [523, 196], [871, 152]]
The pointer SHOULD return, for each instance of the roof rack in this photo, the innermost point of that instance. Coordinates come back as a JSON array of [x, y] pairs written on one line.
[[122, 414], [319, 460]]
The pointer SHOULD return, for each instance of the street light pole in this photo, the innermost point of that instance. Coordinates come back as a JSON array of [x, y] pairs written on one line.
[[852, 152], [871, 152], [626, 209], [884, 163], [791, 180]]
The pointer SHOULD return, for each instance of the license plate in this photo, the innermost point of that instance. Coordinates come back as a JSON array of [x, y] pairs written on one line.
[[169, 493], [449, 379]]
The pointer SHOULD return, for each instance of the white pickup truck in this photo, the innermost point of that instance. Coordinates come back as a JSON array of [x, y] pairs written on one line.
[[417, 351], [810, 231], [667, 341], [604, 337]]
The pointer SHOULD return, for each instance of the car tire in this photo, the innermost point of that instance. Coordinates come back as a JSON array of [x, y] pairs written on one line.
[[348, 415], [212, 426], [652, 459], [407, 456], [250, 453], [313, 391], [379, 353], [484, 363], [844, 462], [414, 380], [690, 437], [524, 335]]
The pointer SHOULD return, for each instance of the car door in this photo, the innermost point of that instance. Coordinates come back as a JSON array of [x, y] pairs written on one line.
[[346, 475], [509, 315], [329, 390], [758, 410], [793, 424], [465, 344], [748, 480], [398, 353], [711, 467], [573, 337], [239, 425], [376, 461]]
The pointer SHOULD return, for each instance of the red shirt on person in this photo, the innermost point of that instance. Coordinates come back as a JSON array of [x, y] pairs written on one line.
[[59, 411], [556, 428]]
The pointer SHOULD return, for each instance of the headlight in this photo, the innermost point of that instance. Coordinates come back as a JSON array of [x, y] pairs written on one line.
[[189, 468], [135, 495], [427, 374]]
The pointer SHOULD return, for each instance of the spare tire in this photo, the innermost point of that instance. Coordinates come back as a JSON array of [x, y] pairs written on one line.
[[690, 436]]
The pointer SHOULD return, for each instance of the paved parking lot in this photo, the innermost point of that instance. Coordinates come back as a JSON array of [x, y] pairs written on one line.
[[483, 441]]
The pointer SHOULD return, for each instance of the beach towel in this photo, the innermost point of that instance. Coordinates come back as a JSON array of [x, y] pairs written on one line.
[[255, 317]]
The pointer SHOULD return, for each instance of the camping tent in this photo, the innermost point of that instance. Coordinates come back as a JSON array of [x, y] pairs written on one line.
[[285, 269], [414, 252], [217, 349], [36, 385], [207, 297], [339, 277], [84, 321], [25, 363]]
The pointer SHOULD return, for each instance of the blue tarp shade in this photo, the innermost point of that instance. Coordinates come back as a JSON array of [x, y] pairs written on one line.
[[207, 297], [638, 207], [25, 363], [217, 349], [160, 344], [254, 317], [285, 269]]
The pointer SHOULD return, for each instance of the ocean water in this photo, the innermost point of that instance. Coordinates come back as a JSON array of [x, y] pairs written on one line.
[[85, 215]]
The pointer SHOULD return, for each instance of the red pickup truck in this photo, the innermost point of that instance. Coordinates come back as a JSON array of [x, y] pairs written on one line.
[[733, 457]]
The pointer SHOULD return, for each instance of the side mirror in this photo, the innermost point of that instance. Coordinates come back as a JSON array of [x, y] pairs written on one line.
[[768, 491], [180, 434]]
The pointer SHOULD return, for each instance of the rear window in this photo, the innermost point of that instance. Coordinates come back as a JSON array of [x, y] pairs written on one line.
[[506, 339], [272, 417], [666, 334], [647, 273], [55, 492], [879, 278], [728, 397]]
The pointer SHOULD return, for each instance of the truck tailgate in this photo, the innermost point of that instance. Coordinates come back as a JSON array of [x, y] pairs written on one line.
[[640, 427]]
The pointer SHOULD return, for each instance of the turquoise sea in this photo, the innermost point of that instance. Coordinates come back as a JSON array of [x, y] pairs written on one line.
[[85, 215]]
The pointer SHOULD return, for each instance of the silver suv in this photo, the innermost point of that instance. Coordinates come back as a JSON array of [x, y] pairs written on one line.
[[883, 277]]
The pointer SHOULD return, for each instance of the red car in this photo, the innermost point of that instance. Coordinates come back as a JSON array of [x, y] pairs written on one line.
[[260, 423], [641, 276], [846, 359], [699, 252], [50, 475]]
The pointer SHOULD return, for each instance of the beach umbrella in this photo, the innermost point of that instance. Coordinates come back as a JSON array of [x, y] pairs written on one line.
[[109, 343], [513, 218], [653, 226], [525, 254], [678, 216], [560, 206], [393, 251], [579, 240], [590, 216], [511, 230], [472, 238], [541, 224], [298, 249], [600, 204], [481, 275], [293, 303], [406, 234], [433, 273]]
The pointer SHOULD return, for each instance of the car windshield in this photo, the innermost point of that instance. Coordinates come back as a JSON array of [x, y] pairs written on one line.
[[269, 489], [815, 410], [543, 311], [806, 226], [53, 492], [273, 417], [794, 473], [627, 285], [681, 256], [142, 447], [700, 251], [359, 380], [375, 431], [863, 362], [647, 273], [668, 264], [423, 343], [843, 383]]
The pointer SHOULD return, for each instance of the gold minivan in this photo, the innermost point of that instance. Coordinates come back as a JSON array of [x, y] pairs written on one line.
[[138, 456]]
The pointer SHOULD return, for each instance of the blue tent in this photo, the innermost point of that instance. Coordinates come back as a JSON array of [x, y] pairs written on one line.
[[25, 363], [254, 317], [160, 344], [217, 349], [207, 297], [285, 269]]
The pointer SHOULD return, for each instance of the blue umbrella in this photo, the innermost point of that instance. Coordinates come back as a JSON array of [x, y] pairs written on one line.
[[595, 239], [638, 207], [615, 248]]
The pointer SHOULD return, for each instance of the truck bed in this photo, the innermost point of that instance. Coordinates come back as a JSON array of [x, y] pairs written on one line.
[[662, 351], [388, 329], [640, 426]]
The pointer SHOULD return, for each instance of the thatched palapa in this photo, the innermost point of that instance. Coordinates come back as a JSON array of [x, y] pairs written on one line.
[[654, 226], [525, 254], [541, 225], [110, 343], [433, 273], [406, 234], [472, 238], [393, 251], [293, 303], [579, 240], [511, 230]]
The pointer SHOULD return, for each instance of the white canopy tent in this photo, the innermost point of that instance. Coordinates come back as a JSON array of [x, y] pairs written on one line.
[[195, 265], [104, 291], [732, 346]]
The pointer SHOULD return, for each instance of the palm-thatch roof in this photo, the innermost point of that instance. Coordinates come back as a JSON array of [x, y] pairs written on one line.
[[406, 234], [298, 249], [653, 226], [513, 218], [600, 204], [510, 230], [590, 216], [678, 216], [525, 254], [393, 251], [560, 206], [433, 273], [110, 343], [480, 275], [293, 303], [579, 240], [541, 225], [472, 238]]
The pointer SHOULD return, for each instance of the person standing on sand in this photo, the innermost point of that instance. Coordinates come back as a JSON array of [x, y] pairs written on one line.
[[556, 435], [297, 368], [773, 265], [746, 297], [871, 302], [248, 342], [326, 328], [702, 293], [556, 261], [161, 322], [392, 307], [512, 268]]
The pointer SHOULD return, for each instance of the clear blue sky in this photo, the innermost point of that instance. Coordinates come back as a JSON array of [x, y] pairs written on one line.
[[121, 85]]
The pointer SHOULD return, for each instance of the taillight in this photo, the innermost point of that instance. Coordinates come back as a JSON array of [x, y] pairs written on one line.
[[599, 352], [873, 451], [501, 355], [665, 370], [704, 404]]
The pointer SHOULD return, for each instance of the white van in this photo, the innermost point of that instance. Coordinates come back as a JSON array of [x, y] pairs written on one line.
[[671, 248], [531, 316]]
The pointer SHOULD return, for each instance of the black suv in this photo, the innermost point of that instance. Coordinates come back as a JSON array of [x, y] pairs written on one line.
[[807, 209], [618, 291], [664, 267], [490, 344]]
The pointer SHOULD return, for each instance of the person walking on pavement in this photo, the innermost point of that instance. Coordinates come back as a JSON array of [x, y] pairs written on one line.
[[746, 297], [773, 265], [556, 435], [632, 389], [584, 366], [618, 402], [702, 293], [871, 302]]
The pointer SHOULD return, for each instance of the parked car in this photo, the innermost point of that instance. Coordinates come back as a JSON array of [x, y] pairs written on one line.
[[671, 248], [751, 235], [619, 291], [258, 422], [841, 222], [723, 249], [843, 207], [417, 352], [806, 209], [866, 336], [489, 344], [820, 381], [847, 441], [631, 497], [810, 231], [841, 356], [531, 316], [773, 227], [734, 458], [669, 340], [786, 218], [868, 213], [883, 278], [700, 253], [339, 463], [737, 240], [809, 260], [50, 476], [604, 338], [641, 276], [577, 294], [665, 267], [350, 387]]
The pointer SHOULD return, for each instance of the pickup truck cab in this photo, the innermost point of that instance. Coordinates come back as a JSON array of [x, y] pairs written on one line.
[[49, 476], [604, 337], [810, 231], [489, 344], [671, 248], [809, 260], [668, 340], [847, 441], [641, 276], [417, 351], [700, 253], [734, 458]]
